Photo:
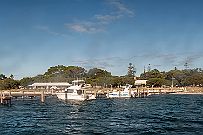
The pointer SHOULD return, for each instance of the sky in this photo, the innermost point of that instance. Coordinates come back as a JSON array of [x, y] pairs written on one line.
[[107, 34]]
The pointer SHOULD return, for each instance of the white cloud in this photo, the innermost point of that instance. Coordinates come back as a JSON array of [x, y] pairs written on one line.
[[48, 30], [79, 27], [122, 9], [106, 19], [105, 63], [85, 27], [99, 21], [190, 59]]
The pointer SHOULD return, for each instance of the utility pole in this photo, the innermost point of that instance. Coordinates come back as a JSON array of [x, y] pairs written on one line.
[[149, 68], [186, 65]]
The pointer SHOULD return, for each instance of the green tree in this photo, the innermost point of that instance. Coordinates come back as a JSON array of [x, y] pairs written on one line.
[[62, 73], [154, 77], [2, 77], [156, 82], [26, 81], [99, 77], [96, 72], [9, 83], [131, 70]]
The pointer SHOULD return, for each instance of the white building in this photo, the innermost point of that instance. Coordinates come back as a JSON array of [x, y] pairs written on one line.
[[140, 82], [60, 85]]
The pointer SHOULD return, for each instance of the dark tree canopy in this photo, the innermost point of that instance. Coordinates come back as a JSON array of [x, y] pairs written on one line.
[[2, 77], [100, 77], [187, 77]]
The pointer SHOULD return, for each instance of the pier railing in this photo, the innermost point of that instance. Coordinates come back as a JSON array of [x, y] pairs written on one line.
[[42, 93], [136, 92], [5, 94]]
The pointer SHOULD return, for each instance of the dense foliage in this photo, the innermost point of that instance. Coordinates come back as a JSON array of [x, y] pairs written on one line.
[[8, 82], [100, 77], [187, 77], [95, 76]]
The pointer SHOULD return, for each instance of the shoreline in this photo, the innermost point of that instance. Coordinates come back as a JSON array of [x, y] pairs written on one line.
[[188, 93]]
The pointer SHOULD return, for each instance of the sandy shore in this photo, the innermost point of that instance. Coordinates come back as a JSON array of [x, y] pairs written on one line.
[[188, 93]]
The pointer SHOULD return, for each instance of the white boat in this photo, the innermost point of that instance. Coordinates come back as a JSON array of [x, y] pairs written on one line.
[[75, 92], [126, 93]]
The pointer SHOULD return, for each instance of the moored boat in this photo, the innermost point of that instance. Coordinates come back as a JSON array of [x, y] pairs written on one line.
[[75, 92], [126, 93]]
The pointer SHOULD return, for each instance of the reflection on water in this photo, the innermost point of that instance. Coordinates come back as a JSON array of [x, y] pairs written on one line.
[[162, 114]]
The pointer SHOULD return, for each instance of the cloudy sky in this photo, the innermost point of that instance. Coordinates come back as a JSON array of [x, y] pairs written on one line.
[[108, 34]]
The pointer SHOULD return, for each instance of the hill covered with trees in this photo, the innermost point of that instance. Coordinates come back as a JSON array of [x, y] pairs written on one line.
[[100, 77], [94, 76], [186, 77]]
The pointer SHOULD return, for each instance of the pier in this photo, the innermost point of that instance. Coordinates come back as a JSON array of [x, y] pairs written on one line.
[[140, 92], [7, 95], [5, 99]]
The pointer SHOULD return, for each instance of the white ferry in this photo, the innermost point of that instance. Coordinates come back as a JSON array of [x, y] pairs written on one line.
[[75, 92]]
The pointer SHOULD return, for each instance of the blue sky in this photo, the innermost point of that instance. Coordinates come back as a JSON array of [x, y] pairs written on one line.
[[108, 34]]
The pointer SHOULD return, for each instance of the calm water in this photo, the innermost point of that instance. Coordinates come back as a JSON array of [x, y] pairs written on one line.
[[162, 114]]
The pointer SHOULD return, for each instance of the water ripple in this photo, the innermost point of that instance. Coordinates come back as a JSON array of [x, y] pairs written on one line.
[[162, 114]]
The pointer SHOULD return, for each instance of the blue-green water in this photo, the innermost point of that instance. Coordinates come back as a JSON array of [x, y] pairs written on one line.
[[162, 114]]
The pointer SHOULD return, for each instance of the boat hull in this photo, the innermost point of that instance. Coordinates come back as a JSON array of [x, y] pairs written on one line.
[[70, 96], [119, 95]]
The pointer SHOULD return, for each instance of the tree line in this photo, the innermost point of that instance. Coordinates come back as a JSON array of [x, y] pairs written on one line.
[[100, 77], [179, 78], [94, 76], [8, 82]]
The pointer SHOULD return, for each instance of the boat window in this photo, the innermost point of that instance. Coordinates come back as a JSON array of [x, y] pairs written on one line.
[[79, 92], [70, 91]]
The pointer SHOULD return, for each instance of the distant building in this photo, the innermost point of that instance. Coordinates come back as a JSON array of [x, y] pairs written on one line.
[[61, 85], [140, 82]]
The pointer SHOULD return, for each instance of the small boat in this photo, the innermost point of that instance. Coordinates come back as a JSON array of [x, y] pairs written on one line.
[[75, 92], [126, 93]]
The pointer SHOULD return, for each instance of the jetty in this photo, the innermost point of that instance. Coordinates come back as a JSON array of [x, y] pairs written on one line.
[[139, 92], [5, 99], [7, 95]]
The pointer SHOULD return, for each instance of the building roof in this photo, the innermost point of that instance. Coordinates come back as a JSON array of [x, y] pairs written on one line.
[[50, 84], [77, 81], [141, 82]]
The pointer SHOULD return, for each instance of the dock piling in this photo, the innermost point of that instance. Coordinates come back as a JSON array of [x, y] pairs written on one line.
[[22, 94], [10, 93], [42, 96], [1, 97], [130, 92], [85, 94], [95, 93], [138, 92], [107, 93]]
